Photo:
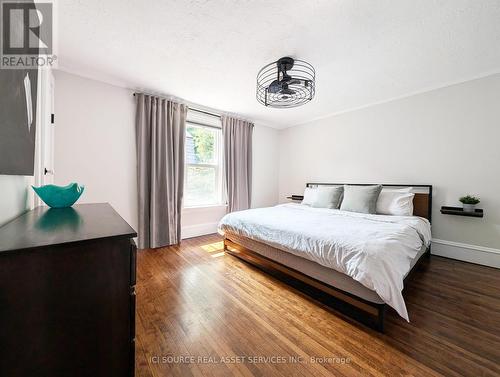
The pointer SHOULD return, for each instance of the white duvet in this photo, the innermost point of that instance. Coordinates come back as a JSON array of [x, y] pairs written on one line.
[[375, 250]]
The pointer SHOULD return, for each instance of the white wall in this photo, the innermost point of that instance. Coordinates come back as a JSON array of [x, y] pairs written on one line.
[[265, 166], [95, 142], [14, 196], [447, 137], [199, 221], [95, 146]]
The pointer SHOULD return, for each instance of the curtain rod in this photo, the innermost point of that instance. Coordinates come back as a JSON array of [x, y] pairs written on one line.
[[190, 108], [204, 112]]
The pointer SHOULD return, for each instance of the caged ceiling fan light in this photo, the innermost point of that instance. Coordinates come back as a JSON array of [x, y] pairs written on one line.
[[286, 83]]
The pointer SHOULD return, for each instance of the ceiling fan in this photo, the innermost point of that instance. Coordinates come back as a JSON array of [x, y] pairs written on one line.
[[293, 83]]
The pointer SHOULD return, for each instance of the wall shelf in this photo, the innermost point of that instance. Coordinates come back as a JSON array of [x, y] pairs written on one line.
[[458, 211]]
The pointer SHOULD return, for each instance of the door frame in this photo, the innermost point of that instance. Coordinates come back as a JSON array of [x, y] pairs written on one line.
[[44, 145]]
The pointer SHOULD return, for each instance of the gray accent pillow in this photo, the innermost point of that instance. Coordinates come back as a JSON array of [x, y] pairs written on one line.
[[327, 197], [361, 199]]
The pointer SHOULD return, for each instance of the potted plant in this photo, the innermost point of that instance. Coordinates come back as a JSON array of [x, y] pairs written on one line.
[[469, 202]]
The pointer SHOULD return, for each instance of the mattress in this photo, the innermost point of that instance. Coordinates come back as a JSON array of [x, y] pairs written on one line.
[[324, 274]]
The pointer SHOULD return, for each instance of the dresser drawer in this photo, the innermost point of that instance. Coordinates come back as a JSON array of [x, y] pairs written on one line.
[[133, 262], [132, 312], [132, 358], [132, 331]]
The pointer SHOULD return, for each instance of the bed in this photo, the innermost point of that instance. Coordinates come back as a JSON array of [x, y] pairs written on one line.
[[356, 263]]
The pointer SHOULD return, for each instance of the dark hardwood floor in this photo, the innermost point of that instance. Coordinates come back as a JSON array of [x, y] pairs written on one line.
[[199, 310]]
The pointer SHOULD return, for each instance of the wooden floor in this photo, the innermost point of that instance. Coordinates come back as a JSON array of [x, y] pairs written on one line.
[[203, 313]]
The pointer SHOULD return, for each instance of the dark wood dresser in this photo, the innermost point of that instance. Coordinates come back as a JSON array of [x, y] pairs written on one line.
[[67, 295]]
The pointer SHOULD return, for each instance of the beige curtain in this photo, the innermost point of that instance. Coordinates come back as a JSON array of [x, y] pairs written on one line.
[[237, 136], [160, 137]]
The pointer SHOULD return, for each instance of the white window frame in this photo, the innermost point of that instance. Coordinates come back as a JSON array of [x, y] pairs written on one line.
[[218, 165]]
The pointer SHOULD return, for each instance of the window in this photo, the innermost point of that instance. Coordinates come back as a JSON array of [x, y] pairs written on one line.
[[203, 176]]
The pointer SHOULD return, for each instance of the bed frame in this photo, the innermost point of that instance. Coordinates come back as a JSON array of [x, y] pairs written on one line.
[[369, 313]]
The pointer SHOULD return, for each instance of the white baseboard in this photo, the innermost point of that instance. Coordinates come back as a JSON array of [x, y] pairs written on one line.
[[486, 256], [198, 230]]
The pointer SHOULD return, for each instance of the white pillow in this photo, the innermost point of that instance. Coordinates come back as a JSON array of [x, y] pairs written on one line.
[[323, 197], [309, 196], [395, 202]]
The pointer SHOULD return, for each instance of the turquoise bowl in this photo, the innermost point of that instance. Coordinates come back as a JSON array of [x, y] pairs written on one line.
[[59, 196]]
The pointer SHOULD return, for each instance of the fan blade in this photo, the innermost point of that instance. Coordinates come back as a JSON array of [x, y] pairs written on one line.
[[275, 86], [287, 91]]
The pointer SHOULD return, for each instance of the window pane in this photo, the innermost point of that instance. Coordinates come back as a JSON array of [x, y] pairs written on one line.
[[200, 145], [201, 187]]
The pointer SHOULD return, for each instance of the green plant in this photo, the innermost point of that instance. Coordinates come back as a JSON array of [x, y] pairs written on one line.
[[469, 199], [203, 144]]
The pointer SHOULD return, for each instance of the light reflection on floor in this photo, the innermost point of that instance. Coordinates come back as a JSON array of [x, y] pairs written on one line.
[[214, 247]]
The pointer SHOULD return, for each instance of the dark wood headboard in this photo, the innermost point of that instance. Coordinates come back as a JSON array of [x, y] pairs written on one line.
[[422, 202]]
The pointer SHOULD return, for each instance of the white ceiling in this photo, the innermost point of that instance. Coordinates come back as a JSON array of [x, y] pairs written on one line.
[[209, 52]]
